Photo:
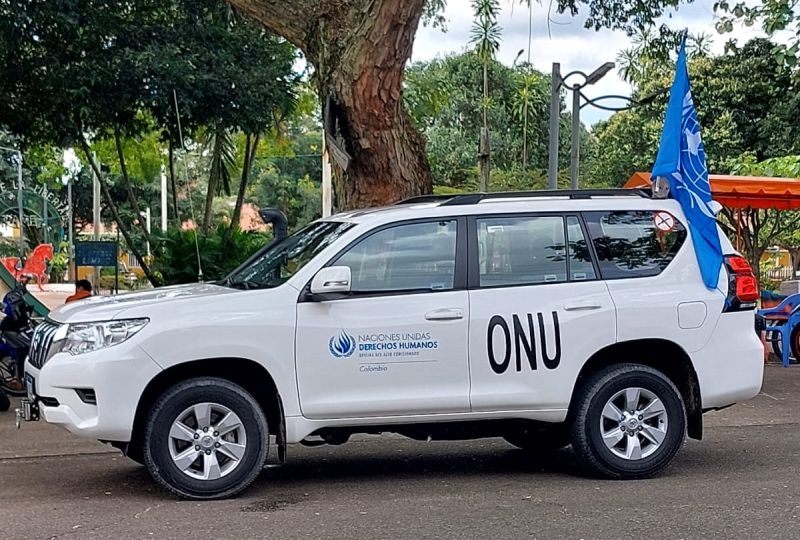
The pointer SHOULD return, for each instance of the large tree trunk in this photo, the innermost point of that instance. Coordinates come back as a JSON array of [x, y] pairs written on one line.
[[359, 49]]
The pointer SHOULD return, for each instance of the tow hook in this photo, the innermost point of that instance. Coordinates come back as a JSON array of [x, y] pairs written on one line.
[[27, 411]]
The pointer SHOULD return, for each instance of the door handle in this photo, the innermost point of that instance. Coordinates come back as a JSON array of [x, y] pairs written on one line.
[[448, 314], [582, 307]]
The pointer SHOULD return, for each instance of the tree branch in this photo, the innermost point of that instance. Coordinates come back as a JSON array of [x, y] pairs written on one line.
[[292, 19], [115, 213], [129, 187]]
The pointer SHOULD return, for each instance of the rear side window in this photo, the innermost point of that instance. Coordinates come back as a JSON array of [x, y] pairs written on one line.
[[632, 244]]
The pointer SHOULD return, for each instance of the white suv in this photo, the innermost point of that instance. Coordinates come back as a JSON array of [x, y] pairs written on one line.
[[547, 319]]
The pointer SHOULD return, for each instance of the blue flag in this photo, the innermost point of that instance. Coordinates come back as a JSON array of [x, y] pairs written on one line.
[[681, 161]]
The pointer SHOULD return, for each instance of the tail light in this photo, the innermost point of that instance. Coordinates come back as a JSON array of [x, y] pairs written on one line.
[[742, 284]]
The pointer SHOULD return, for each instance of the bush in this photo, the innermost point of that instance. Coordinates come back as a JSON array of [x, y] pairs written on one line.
[[221, 250]]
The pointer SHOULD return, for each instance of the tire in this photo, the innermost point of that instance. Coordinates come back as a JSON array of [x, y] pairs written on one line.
[[239, 453], [539, 440], [7, 372], [608, 390], [5, 403]]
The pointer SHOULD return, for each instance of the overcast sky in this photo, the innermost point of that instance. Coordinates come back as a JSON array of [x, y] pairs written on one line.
[[564, 40]]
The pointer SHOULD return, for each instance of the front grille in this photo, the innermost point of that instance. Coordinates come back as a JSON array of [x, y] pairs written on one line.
[[41, 344]]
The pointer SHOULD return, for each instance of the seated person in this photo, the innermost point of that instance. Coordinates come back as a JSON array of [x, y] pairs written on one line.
[[83, 289]]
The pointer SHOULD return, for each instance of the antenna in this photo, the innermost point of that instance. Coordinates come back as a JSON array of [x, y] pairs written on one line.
[[186, 185]]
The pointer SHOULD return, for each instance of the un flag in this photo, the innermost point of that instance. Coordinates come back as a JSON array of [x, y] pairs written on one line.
[[681, 161]]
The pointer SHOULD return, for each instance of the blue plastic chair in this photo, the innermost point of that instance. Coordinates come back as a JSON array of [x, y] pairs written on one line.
[[771, 323]]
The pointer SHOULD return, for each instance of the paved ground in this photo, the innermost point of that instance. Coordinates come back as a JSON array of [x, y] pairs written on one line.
[[740, 482]]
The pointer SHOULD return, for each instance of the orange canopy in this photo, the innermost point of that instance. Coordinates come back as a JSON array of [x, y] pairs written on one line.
[[743, 191]]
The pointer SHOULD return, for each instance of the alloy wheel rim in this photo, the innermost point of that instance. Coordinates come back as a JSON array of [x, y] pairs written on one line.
[[634, 423], [207, 441]]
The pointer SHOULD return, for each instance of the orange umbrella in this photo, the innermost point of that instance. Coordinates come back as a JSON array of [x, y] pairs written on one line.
[[743, 191]]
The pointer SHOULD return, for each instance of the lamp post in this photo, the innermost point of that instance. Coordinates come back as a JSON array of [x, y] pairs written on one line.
[[18, 153], [557, 82]]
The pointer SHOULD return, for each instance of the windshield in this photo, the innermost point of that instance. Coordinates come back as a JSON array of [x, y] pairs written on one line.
[[279, 262]]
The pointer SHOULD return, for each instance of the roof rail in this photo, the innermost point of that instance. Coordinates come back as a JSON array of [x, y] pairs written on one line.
[[475, 198]]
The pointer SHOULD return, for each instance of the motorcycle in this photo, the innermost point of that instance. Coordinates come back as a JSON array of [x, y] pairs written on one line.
[[14, 347]]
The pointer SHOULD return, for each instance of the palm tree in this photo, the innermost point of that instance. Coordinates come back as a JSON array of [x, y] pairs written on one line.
[[485, 35]]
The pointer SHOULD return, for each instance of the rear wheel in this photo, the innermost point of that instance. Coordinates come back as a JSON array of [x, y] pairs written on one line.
[[629, 422], [205, 438], [5, 403]]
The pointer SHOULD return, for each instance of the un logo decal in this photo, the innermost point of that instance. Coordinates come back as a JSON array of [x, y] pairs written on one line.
[[342, 346]]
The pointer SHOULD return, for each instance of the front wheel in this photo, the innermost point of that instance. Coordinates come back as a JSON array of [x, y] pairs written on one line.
[[205, 438], [629, 422]]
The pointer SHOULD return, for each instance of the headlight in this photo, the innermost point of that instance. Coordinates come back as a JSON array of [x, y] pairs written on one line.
[[88, 337]]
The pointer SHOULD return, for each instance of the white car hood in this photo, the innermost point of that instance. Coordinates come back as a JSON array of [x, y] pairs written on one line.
[[103, 308]]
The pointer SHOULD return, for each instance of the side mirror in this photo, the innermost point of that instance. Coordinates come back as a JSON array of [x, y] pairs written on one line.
[[334, 279]]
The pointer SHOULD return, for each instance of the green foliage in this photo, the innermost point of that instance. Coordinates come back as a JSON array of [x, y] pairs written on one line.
[[759, 229], [444, 97], [745, 101], [486, 33], [221, 250]]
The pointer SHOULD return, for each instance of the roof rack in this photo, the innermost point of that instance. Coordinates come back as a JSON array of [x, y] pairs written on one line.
[[475, 198]]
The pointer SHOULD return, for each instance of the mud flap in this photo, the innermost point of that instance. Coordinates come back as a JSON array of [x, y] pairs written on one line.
[[280, 437]]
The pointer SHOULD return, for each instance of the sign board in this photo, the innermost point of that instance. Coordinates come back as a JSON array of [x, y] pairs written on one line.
[[96, 253]]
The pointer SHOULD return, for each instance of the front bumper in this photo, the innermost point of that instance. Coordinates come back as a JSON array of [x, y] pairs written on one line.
[[116, 377]]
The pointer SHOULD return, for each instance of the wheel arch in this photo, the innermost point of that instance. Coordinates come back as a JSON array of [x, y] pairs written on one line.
[[248, 374], [661, 354]]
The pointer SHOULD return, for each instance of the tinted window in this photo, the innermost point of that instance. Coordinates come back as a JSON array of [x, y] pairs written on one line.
[[416, 256], [521, 251], [628, 244]]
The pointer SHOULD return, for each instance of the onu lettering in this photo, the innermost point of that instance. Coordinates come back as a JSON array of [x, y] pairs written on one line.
[[524, 342]]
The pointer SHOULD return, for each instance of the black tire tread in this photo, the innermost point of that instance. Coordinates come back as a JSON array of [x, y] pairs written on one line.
[[171, 393], [579, 435]]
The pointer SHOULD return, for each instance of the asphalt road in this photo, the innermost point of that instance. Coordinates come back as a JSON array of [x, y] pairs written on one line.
[[740, 482]]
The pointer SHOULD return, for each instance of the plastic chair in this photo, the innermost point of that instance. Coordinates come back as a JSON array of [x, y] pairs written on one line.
[[782, 320]]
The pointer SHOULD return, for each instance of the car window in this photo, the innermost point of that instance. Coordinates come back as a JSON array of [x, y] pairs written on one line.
[[413, 256], [634, 243], [521, 251], [278, 262]]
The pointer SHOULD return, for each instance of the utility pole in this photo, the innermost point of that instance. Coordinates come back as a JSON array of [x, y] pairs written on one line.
[[163, 198], [575, 154], [555, 117], [96, 224], [71, 247], [146, 215], [44, 214], [327, 184]]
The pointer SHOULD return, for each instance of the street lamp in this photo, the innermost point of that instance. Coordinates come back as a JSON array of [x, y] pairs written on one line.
[[555, 113], [19, 200]]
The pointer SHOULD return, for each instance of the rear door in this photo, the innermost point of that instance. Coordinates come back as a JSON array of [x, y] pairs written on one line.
[[538, 310], [647, 261]]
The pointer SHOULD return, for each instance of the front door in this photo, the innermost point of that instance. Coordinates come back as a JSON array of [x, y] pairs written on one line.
[[397, 344], [538, 311]]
